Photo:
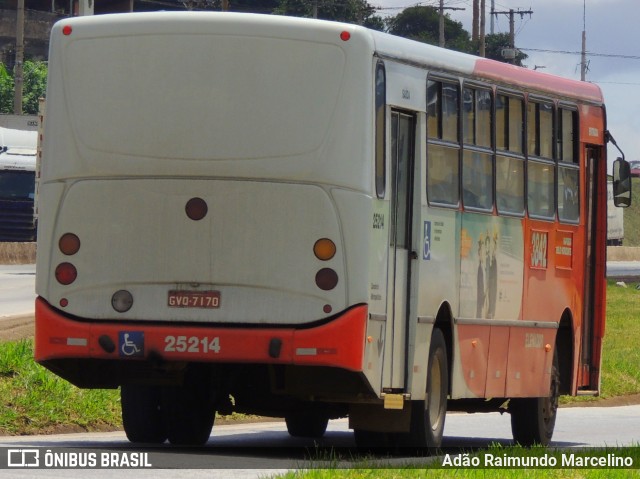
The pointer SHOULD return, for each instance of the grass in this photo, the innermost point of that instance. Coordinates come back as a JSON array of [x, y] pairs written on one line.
[[34, 400], [632, 216], [437, 469]]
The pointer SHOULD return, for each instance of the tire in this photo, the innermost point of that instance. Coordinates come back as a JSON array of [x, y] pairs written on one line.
[[312, 423], [189, 411], [428, 416], [533, 419], [141, 414]]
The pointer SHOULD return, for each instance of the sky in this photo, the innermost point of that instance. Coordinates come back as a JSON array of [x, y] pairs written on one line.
[[556, 26]]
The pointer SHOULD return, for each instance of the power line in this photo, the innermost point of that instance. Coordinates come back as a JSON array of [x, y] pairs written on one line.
[[593, 54]]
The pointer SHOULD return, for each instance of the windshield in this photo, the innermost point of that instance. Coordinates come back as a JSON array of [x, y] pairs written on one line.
[[17, 184]]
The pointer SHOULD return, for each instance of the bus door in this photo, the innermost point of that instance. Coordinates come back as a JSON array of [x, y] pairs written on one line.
[[400, 253], [590, 357]]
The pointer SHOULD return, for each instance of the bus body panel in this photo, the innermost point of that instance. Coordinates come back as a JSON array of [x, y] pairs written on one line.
[[281, 147]]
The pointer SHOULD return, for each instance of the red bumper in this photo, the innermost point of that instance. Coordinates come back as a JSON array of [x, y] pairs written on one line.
[[339, 343]]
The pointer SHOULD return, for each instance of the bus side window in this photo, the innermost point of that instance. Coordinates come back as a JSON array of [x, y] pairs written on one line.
[[443, 175], [443, 149], [568, 167], [510, 185], [380, 129]]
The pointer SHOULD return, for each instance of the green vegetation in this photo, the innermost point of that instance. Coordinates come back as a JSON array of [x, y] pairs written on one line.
[[34, 400], [34, 87], [632, 217], [491, 456]]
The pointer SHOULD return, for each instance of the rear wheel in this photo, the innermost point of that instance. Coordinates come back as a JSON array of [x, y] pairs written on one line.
[[428, 416], [533, 419], [189, 410], [141, 414], [310, 423]]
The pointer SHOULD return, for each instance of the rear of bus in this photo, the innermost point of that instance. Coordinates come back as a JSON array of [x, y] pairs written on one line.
[[196, 188]]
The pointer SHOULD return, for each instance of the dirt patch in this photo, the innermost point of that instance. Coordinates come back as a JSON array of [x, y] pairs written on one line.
[[628, 400], [623, 253], [17, 327], [17, 253]]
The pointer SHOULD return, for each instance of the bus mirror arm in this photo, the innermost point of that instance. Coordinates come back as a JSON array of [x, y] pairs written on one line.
[[609, 138]]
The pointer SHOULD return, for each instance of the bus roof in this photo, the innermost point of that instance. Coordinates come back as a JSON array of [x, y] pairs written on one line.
[[382, 44], [482, 68]]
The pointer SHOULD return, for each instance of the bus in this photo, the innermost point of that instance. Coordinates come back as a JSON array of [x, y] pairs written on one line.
[[312, 220], [17, 185]]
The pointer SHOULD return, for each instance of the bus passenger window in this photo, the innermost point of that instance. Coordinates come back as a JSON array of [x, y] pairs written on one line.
[[477, 180], [510, 185], [568, 194], [442, 184], [567, 136], [540, 183], [380, 118]]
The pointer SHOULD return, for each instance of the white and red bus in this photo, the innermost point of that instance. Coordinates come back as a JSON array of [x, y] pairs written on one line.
[[312, 220]]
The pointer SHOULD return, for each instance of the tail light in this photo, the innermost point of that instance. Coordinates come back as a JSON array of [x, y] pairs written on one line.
[[69, 244], [66, 273]]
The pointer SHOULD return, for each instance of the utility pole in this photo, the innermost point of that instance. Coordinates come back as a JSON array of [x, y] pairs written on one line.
[[493, 9], [441, 25], [583, 61], [512, 30], [475, 35], [225, 5], [481, 40], [315, 8], [18, 69]]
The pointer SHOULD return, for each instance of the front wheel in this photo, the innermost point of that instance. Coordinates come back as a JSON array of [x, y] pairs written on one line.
[[533, 419], [428, 416]]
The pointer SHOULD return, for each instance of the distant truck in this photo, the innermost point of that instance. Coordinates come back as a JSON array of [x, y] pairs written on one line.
[[17, 184], [615, 220]]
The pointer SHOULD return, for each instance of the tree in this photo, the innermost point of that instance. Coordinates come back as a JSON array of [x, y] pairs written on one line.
[[349, 11], [6, 90], [423, 23], [34, 86], [249, 6], [496, 43]]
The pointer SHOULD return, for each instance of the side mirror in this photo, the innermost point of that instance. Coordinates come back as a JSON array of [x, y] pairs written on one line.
[[621, 183]]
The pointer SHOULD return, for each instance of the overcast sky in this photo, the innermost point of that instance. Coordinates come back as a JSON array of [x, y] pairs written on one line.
[[557, 25]]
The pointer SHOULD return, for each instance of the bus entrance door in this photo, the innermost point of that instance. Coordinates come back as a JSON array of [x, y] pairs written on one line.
[[402, 161], [591, 331]]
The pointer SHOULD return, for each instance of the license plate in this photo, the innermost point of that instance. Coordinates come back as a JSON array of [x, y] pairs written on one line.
[[194, 299]]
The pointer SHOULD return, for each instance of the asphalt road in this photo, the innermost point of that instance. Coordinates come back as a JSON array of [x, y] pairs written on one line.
[[260, 449]]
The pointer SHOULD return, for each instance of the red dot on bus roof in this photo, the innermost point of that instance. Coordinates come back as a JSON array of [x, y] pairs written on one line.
[[344, 36], [66, 30]]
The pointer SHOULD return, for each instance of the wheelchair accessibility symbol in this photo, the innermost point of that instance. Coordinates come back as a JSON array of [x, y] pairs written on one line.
[[131, 343]]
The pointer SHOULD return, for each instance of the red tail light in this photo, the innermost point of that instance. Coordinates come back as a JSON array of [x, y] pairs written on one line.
[[66, 273]]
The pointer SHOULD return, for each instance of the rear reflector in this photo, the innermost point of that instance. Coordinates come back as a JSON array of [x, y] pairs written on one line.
[[326, 279], [196, 208], [69, 244]]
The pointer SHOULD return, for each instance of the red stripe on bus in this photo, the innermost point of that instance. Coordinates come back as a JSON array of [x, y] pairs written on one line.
[[339, 343]]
